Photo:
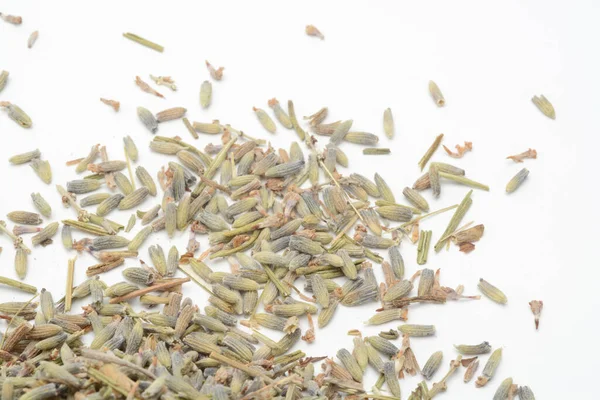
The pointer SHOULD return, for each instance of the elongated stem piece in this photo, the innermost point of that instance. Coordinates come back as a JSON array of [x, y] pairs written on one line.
[[128, 161], [375, 151], [375, 396], [137, 293], [229, 252], [144, 42], [69, 289], [17, 240], [236, 364], [464, 181], [192, 277], [215, 185], [285, 292], [18, 285], [214, 166], [434, 146], [441, 385], [190, 128], [431, 214], [418, 299], [455, 221], [86, 227], [423, 247]]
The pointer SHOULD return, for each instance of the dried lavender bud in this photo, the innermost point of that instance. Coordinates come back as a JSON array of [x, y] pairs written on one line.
[[517, 180], [432, 365], [147, 119], [24, 157], [492, 292], [41, 204]]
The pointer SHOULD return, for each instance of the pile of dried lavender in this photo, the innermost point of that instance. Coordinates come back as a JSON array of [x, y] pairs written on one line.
[[278, 216]]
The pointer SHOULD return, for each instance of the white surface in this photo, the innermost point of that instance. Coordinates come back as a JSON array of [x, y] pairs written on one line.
[[489, 60]]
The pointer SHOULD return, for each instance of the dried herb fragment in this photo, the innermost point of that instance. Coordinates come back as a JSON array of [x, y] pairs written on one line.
[[492, 292], [11, 19], [113, 103], [536, 308], [312, 30], [146, 88], [436, 143], [529, 153], [544, 106], [17, 114], [144, 42], [375, 151], [436, 94], [32, 39], [517, 180], [460, 150], [164, 81], [215, 73]]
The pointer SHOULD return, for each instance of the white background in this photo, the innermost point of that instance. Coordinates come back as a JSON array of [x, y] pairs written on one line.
[[488, 58]]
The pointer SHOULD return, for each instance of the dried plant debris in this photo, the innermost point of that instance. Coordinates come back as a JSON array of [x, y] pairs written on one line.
[[215, 73], [113, 103], [146, 87], [312, 30], [32, 39], [11, 19], [459, 214], [423, 247], [388, 123], [465, 238], [164, 81], [544, 106], [442, 385], [462, 180], [505, 389], [374, 151], [205, 94], [144, 42], [471, 365], [460, 150], [536, 308], [529, 153], [280, 218]]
